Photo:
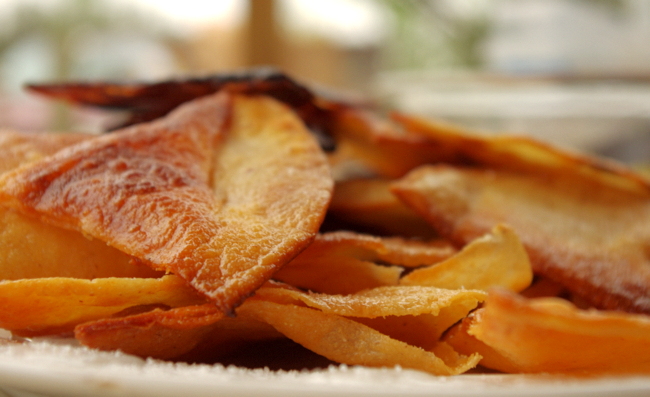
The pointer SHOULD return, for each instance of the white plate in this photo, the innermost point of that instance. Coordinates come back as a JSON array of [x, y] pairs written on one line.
[[49, 369]]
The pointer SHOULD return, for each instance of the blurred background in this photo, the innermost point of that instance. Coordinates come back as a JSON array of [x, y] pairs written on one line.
[[572, 72]]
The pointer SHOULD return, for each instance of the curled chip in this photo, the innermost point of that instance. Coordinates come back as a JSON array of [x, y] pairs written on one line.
[[384, 326], [515, 334], [163, 334], [346, 262], [222, 192], [346, 341], [520, 154], [497, 259]]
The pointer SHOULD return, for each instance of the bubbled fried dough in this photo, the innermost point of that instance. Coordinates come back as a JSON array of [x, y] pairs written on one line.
[[222, 192]]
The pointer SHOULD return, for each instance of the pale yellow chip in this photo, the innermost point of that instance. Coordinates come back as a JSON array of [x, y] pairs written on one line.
[[347, 341], [56, 305], [337, 274], [416, 315], [32, 249], [497, 259]]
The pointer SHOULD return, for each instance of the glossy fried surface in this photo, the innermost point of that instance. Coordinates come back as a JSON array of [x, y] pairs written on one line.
[[586, 236], [221, 192], [30, 248]]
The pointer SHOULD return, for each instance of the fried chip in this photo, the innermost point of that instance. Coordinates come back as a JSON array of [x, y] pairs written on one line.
[[497, 259], [520, 154], [367, 146], [146, 101], [31, 249], [415, 315], [55, 305], [346, 262], [368, 205], [587, 237], [336, 274], [222, 192], [163, 334], [184, 333], [350, 342], [550, 335]]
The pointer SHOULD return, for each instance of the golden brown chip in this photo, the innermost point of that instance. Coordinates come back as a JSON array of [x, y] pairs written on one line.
[[346, 262], [368, 205], [590, 238], [368, 146], [188, 333], [29, 248], [56, 305], [416, 315], [497, 259], [145, 101], [163, 334], [550, 335], [336, 274], [521, 154], [349, 342], [222, 192], [392, 250]]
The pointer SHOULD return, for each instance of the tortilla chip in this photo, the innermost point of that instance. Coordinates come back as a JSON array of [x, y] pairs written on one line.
[[550, 335], [221, 198], [587, 237], [497, 259], [55, 305]]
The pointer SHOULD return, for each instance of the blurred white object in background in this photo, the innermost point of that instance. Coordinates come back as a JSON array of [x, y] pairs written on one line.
[[571, 72], [589, 116], [569, 37]]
